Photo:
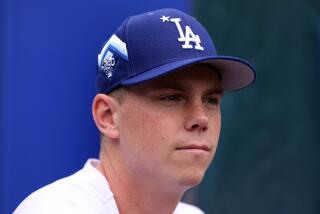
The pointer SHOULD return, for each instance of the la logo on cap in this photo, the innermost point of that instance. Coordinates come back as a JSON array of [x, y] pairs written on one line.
[[186, 37]]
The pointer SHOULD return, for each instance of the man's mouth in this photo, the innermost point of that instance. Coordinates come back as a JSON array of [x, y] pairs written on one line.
[[194, 147]]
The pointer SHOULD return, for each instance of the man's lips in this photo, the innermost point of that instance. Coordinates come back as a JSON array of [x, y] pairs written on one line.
[[194, 147]]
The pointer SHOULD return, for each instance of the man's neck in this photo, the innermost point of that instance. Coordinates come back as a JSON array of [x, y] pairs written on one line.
[[136, 194]]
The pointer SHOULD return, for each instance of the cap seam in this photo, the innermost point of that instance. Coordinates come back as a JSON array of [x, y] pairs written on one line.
[[131, 71]]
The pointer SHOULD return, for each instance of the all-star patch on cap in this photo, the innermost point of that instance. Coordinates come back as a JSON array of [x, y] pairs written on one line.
[[152, 44]]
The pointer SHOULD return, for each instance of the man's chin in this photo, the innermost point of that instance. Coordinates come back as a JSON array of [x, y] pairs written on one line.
[[191, 180]]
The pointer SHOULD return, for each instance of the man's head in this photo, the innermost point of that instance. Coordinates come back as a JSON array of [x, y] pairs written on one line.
[[160, 83], [167, 128]]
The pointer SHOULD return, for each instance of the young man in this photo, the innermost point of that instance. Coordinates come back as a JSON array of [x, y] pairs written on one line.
[[160, 83]]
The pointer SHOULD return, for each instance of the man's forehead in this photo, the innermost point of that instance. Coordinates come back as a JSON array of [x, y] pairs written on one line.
[[187, 80]]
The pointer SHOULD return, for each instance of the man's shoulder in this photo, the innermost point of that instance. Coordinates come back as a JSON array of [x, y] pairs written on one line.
[[83, 192], [52, 198], [184, 208]]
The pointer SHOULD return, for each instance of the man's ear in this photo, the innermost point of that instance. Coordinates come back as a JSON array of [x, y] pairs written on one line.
[[104, 111]]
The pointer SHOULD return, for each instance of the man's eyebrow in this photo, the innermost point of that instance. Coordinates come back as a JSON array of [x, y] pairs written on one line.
[[216, 90]]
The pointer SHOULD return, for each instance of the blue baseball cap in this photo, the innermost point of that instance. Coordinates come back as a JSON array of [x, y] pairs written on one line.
[[153, 44]]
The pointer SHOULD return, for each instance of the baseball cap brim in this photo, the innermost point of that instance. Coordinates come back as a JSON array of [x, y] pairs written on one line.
[[235, 73]]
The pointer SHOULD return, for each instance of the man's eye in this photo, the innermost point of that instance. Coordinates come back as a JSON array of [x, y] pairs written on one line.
[[170, 98], [213, 100]]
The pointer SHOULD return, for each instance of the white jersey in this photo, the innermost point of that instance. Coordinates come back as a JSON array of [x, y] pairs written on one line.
[[85, 192]]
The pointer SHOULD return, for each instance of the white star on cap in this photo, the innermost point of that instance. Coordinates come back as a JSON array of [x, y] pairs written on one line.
[[165, 18]]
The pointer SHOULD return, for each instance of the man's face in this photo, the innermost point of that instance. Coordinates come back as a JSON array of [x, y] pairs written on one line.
[[169, 127]]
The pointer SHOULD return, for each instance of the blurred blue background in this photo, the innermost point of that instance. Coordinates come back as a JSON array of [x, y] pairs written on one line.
[[267, 161], [47, 86]]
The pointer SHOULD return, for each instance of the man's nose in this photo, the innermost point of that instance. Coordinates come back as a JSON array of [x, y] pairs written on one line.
[[197, 118]]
